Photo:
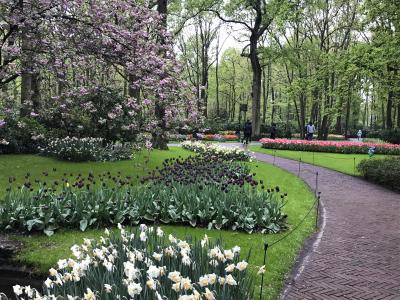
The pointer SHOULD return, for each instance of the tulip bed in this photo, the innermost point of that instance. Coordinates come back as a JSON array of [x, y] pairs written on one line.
[[144, 264], [203, 190], [346, 147]]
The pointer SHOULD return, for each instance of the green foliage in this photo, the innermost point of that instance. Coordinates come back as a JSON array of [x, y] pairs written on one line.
[[388, 135], [383, 171], [85, 206]]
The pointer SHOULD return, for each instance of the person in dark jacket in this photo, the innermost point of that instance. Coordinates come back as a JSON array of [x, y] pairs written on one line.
[[273, 131], [247, 132]]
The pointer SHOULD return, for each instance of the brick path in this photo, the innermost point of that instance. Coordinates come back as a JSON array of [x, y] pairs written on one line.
[[357, 254]]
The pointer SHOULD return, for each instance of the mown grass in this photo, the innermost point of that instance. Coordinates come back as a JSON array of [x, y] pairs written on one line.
[[42, 252], [344, 163]]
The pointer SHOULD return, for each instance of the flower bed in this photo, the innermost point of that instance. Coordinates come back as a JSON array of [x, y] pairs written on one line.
[[87, 149], [224, 152], [146, 265], [84, 206], [329, 146]]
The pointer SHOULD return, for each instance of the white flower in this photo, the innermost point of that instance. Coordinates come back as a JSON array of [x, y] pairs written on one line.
[[89, 295], [261, 270], [53, 272], [175, 276], [153, 272], [186, 260], [48, 283], [108, 265], [176, 287], [214, 263], [151, 284], [119, 226], [172, 239], [169, 251], [143, 227], [157, 256], [236, 249], [18, 290], [229, 255], [204, 241], [62, 264], [241, 265], [212, 278], [230, 280], [160, 233], [186, 283], [130, 271], [134, 289], [106, 232], [208, 295], [143, 236], [230, 268], [107, 288], [203, 281], [221, 280]]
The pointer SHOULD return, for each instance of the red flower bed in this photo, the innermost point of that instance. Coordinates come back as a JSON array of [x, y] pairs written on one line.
[[330, 146]]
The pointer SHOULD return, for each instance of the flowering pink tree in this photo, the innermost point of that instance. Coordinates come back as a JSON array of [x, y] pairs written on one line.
[[83, 45]]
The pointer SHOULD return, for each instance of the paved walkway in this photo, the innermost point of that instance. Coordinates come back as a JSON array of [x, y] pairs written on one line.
[[356, 253]]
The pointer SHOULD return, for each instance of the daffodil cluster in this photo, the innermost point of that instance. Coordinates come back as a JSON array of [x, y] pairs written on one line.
[[228, 153], [146, 264]]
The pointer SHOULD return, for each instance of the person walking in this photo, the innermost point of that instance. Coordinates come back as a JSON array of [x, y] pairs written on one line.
[[359, 135], [273, 131], [247, 132], [310, 131]]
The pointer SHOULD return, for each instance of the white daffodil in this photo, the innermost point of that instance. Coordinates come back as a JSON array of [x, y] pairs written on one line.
[[134, 289], [241, 265], [153, 272], [157, 256], [89, 295], [18, 290], [151, 284], [261, 270], [208, 295], [230, 280], [175, 276], [107, 288]]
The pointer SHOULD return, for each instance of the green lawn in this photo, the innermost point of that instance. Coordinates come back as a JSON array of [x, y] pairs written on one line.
[[345, 163], [19, 165], [42, 252]]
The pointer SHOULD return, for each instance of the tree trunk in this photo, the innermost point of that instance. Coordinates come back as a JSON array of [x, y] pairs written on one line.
[[256, 85], [217, 77], [159, 137]]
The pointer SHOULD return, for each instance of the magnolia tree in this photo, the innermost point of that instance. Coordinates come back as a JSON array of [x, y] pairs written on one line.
[[86, 45]]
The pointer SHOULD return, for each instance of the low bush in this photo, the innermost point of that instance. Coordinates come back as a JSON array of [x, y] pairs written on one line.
[[87, 149], [382, 171], [223, 152], [387, 135], [330, 146], [145, 265]]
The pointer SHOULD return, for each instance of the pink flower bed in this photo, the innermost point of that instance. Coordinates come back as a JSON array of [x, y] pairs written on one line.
[[329, 146]]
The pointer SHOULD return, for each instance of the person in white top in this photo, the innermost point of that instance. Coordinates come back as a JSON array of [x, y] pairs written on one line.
[[359, 135], [310, 131]]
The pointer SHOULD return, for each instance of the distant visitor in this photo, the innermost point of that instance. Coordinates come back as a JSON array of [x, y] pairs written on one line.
[[310, 129]]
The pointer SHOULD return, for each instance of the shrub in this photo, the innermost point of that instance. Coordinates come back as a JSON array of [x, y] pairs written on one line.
[[330, 146], [145, 265], [223, 152], [388, 135], [21, 135], [87, 149], [382, 171]]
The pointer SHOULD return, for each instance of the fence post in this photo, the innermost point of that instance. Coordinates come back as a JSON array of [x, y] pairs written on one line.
[[262, 276], [299, 166], [354, 165]]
